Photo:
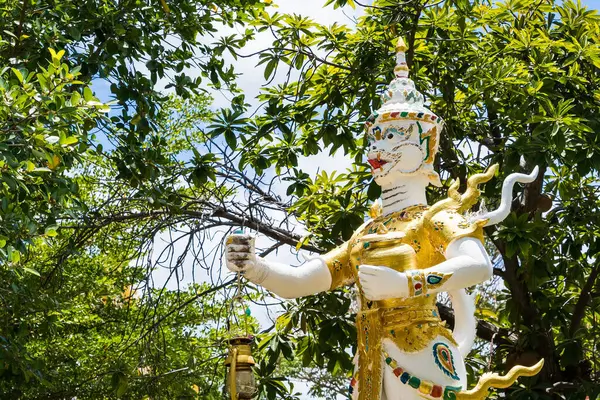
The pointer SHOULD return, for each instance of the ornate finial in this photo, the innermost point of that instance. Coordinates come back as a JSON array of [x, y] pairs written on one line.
[[401, 93], [401, 69]]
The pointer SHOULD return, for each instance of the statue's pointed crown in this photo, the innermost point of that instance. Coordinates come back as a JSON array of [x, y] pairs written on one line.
[[402, 101], [401, 94]]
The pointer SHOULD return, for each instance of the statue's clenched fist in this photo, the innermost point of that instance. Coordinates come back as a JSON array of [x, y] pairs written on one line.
[[379, 283], [240, 253], [241, 257]]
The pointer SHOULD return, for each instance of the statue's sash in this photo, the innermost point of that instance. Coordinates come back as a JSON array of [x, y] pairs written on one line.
[[369, 325]]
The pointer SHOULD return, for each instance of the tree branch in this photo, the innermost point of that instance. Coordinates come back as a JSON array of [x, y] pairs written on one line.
[[275, 233], [310, 55], [181, 307], [584, 299]]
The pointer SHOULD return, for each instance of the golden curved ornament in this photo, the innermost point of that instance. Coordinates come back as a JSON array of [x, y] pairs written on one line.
[[494, 380], [453, 190], [461, 203], [472, 194]]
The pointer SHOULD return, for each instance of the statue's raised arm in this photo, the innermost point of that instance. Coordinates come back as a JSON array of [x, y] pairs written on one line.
[[401, 258]]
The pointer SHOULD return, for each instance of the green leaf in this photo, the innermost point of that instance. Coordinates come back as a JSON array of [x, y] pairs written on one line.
[[14, 255], [136, 119], [18, 74], [31, 271], [67, 141], [51, 231], [87, 94], [75, 98], [231, 139], [270, 68], [43, 81]]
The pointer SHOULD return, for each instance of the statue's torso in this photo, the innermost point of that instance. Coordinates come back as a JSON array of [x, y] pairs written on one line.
[[411, 323], [412, 240]]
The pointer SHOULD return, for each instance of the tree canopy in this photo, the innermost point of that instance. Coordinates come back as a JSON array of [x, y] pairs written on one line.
[[99, 197]]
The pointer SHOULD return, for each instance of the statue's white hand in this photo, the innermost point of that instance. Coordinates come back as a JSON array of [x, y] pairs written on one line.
[[381, 283]]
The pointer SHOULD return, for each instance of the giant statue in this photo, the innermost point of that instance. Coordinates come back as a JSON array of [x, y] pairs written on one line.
[[401, 258]]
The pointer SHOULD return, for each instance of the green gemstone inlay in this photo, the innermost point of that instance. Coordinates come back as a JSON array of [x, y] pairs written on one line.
[[414, 382], [450, 392]]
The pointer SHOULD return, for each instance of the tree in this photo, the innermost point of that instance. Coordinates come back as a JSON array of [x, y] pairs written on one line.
[[81, 319], [108, 42], [516, 82], [45, 129]]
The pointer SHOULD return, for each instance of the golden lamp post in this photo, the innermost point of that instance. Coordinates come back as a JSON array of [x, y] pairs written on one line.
[[240, 382]]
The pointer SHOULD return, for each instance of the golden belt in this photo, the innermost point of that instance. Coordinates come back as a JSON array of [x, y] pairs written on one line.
[[410, 328]]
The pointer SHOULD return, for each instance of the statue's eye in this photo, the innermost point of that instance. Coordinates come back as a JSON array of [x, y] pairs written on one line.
[[390, 136]]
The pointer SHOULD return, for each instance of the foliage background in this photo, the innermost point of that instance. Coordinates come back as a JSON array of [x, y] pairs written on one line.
[[109, 210]]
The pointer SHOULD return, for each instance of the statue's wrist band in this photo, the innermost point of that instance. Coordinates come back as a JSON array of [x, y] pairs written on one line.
[[420, 283], [416, 283]]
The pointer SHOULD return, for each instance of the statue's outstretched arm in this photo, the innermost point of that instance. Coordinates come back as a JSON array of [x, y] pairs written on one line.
[[467, 263], [284, 280]]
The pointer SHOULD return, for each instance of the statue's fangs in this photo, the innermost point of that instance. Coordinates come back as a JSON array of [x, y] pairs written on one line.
[[401, 258]]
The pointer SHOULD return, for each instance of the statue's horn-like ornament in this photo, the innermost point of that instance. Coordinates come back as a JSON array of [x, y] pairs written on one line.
[[498, 215]]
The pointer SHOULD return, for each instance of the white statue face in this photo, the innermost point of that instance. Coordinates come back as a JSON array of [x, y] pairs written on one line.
[[395, 149]]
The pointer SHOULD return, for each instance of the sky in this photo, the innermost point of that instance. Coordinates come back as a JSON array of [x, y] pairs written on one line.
[[595, 4], [251, 86]]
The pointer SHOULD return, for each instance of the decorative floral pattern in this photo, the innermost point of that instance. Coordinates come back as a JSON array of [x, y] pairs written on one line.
[[435, 280], [444, 360], [416, 283], [337, 265]]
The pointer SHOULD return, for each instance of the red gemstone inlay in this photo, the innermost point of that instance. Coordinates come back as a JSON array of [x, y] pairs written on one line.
[[436, 391], [394, 114], [418, 285], [353, 382], [398, 371]]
